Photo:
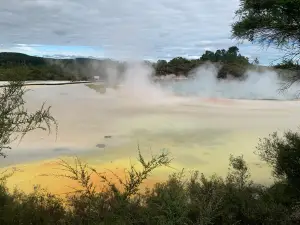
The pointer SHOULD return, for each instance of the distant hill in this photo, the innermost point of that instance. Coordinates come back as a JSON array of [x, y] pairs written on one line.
[[25, 67], [22, 66]]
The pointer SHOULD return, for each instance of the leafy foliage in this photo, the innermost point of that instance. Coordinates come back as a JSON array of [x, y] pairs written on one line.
[[269, 22], [283, 154], [38, 207], [272, 22], [230, 61], [15, 120]]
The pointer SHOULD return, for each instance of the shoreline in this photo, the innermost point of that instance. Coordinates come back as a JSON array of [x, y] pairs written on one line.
[[28, 83]]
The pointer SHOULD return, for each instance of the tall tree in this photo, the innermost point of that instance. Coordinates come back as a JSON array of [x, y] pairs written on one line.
[[233, 51], [272, 22]]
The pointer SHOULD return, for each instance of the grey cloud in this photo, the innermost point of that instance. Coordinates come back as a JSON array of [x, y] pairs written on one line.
[[153, 29], [131, 26]]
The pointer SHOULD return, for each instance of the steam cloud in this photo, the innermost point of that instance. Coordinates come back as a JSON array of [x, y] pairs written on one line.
[[258, 85], [138, 83]]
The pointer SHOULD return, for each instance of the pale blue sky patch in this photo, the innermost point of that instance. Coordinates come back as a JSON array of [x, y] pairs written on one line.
[[84, 51], [54, 50]]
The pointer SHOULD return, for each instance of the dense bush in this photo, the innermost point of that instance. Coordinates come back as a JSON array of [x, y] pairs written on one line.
[[181, 199]]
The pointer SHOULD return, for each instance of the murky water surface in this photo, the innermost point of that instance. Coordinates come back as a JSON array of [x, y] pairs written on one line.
[[106, 129]]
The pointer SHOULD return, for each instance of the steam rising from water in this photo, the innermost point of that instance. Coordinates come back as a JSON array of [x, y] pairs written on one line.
[[258, 85], [138, 83]]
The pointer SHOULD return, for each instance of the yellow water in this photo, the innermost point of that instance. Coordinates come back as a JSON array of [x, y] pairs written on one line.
[[200, 135]]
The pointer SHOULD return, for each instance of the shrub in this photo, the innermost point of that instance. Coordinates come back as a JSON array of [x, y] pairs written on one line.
[[283, 154], [179, 200], [37, 208]]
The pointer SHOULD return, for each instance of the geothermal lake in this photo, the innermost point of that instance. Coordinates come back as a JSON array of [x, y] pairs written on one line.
[[106, 129]]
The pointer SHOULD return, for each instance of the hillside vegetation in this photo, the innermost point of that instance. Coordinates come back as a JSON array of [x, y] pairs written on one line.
[[21, 66]]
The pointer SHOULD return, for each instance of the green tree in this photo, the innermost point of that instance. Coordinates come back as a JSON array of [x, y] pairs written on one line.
[[283, 154], [233, 51], [270, 22], [208, 56], [161, 67]]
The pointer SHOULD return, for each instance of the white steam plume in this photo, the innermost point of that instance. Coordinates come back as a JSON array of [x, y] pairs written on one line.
[[137, 83], [258, 85]]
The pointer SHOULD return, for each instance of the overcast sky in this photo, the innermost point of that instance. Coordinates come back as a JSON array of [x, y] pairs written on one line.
[[121, 28]]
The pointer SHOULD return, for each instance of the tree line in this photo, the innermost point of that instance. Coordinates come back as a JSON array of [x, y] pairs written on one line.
[[38, 68]]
